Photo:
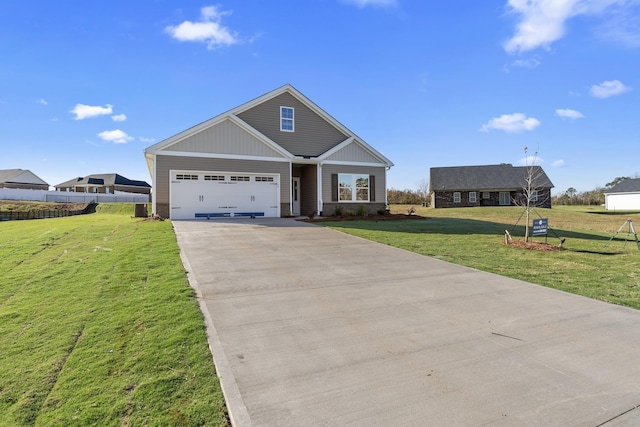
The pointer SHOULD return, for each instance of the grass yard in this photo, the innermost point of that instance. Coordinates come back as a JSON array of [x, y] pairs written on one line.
[[474, 237], [99, 326]]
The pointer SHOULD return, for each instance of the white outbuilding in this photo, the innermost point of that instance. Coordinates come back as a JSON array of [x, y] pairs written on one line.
[[624, 196]]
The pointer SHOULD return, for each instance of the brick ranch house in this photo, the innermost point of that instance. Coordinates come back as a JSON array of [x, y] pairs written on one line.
[[489, 185]]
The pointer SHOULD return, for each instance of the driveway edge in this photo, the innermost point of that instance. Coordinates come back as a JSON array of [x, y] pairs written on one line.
[[237, 410]]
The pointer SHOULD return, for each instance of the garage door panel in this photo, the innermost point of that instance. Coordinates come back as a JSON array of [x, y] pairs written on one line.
[[223, 195]]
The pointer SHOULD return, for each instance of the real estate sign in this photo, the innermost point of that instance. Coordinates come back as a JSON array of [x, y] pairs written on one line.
[[540, 226]]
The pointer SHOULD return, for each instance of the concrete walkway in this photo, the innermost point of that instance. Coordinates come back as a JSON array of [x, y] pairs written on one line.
[[309, 326]]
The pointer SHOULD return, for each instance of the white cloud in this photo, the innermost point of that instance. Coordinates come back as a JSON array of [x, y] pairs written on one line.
[[119, 117], [527, 63], [511, 123], [609, 88], [83, 111], [530, 161], [542, 22], [208, 29], [568, 113], [116, 136], [143, 139], [364, 3], [558, 163], [42, 102]]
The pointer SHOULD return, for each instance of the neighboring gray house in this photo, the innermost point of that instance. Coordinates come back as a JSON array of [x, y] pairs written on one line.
[[491, 185], [22, 179], [107, 183], [277, 155], [624, 196]]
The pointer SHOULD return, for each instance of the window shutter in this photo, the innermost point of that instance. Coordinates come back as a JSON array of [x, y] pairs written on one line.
[[372, 188], [334, 187]]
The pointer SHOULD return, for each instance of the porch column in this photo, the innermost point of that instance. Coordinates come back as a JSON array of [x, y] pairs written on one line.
[[319, 187]]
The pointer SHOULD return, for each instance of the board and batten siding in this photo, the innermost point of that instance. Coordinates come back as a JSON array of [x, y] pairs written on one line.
[[354, 153], [166, 163], [312, 134], [225, 138], [378, 172]]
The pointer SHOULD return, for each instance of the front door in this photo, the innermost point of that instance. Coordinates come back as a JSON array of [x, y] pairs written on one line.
[[295, 196]]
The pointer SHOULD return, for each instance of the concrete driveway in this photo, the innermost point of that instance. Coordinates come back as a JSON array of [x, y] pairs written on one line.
[[309, 326]]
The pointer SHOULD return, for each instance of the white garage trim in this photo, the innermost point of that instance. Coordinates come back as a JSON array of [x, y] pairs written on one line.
[[223, 194]]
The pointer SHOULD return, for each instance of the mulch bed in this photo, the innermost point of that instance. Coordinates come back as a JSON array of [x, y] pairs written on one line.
[[387, 217], [534, 246]]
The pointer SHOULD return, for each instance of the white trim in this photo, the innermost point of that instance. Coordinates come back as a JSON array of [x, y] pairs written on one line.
[[339, 162], [221, 156], [290, 189], [337, 148], [352, 140]]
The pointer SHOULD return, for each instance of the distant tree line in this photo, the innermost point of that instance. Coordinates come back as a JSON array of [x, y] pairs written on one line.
[[592, 197], [404, 197]]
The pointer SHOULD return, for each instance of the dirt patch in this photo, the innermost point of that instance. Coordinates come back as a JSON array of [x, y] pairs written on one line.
[[534, 246], [387, 217]]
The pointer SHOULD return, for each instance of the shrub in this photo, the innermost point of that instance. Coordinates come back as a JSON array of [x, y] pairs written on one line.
[[362, 211], [338, 211]]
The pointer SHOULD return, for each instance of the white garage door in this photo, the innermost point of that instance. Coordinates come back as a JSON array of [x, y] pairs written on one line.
[[208, 195]]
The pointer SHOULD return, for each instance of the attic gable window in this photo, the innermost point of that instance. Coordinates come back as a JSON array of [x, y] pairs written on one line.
[[286, 119]]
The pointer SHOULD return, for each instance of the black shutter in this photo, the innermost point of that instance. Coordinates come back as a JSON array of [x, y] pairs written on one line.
[[372, 188], [334, 187]]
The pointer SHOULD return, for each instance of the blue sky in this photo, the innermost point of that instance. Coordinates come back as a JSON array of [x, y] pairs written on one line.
[[86, 86]]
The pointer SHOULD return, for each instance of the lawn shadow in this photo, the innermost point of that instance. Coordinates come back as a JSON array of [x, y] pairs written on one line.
[[461, 226]]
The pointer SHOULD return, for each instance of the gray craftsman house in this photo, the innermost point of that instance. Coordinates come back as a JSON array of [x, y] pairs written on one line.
[[623, 196], [277, 155], [490, 185]]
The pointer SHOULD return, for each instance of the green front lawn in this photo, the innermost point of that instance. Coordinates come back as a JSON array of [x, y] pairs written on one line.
[[99, 326], [589, 265]]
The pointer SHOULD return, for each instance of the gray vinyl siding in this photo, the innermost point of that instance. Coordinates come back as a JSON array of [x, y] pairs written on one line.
[[166, 163], [378, 172], [312, 134], [354, 153], [225, 138], [309, 190]]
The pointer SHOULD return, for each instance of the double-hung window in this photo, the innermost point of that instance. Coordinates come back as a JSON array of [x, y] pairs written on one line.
[[473, 197], [353, 187], [286, 119], [534, 196], [456, 197]]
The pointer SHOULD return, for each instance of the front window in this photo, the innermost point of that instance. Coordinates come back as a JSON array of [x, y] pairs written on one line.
[[534, 196], [286, 119], [472, 196], [456, 197], [353, 188], [505, 198]]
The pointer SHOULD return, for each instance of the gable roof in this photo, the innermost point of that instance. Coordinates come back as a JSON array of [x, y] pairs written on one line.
[[629, 185], [20, 176], [233, 114], [490, 177], [104, 179]]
